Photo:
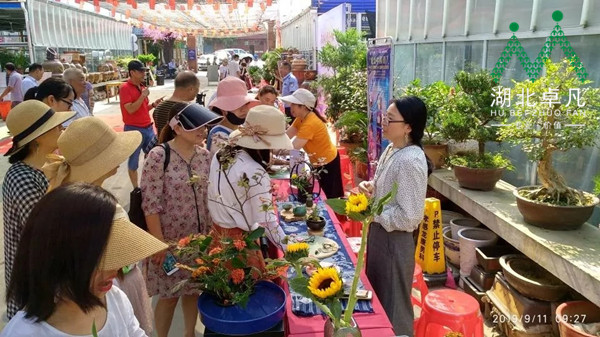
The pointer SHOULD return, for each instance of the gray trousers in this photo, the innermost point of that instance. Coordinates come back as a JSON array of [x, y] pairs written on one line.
[[390, 267]]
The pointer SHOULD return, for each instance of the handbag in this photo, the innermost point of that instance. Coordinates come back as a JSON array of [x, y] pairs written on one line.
[[136, 213]]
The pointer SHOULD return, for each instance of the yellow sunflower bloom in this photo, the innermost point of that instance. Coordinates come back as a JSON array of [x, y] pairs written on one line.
[[295, 251], [296, 247], [356, 203], [325, 283]]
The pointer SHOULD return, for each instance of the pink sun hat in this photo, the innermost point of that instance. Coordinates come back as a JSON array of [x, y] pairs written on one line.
[[232, 94]]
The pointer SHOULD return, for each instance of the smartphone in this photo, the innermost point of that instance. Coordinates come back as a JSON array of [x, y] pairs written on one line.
[[169, 264]]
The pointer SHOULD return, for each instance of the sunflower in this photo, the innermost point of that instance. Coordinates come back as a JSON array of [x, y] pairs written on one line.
[[295, 251], [325, 283], [356, 203]]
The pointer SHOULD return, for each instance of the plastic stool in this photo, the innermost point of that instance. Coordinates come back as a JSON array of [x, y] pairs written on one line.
[[342, 150], [347, 174], [450, 310], [419, 285]]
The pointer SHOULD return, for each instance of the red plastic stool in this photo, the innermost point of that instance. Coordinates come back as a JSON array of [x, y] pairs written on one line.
[[347, 174], [342, 150], [418, 285], [448, 310]]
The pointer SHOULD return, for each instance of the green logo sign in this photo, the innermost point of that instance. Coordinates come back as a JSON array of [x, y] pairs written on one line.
[[557, 37]]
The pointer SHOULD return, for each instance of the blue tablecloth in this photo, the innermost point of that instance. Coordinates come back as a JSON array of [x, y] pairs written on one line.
[[303, 306]]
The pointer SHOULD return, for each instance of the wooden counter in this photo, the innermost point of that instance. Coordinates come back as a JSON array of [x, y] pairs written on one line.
[[572, 256]]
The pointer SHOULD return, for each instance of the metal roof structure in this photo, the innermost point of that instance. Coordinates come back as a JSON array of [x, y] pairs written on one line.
[[208, 18]]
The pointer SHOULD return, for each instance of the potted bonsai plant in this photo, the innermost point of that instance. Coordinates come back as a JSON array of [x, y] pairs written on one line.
[[469, 114], [315, 222], [550, 121], [434, 96]]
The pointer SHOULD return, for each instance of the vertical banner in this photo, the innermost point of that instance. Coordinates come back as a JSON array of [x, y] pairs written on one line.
[[334, 19], [379, 93]]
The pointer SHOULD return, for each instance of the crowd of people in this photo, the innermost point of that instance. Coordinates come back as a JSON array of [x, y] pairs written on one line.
[[193, 158]]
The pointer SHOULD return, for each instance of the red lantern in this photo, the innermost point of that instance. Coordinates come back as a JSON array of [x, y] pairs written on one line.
[[134, 4], [263, 6], [269, 2], [250, 3], [234, 5], [216, 6], [152, 4], [96, 3], [172, 4], [113, 11]]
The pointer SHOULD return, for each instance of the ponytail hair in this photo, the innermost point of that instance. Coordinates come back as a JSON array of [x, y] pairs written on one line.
[[53, 86], [414, 112]]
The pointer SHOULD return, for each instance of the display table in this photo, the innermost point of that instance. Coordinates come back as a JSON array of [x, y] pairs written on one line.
[[374, 324]]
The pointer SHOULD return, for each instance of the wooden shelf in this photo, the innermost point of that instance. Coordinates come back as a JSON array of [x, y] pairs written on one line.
[[572, 256]]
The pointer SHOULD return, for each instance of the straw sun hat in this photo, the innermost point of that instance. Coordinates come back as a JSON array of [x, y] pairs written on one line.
[[90, 149], [31, 119], [264, 128], [127, 243]]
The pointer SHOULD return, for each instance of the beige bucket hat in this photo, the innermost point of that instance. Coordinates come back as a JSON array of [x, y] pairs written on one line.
[[90, 148], [127, 243], [264, 128], [31, 119]]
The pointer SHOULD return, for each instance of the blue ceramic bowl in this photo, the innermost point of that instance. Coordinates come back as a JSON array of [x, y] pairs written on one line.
[[265, 308]]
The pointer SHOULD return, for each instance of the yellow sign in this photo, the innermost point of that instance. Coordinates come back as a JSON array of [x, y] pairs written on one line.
[[429, 252]]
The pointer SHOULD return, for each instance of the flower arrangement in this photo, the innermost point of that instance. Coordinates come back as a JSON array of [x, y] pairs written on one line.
[[325, 286], [222, 269]]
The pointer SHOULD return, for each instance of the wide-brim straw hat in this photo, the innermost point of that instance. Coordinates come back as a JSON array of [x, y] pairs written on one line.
[[31, 119], [127, 243], [232, 94], [263, 129], [89, 149]]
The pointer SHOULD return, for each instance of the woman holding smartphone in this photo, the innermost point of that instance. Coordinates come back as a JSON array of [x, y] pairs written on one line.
[[175, 204]]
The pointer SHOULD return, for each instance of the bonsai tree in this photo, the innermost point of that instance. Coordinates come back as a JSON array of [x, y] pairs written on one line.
[[561, 114], [435, 96], [345, 59], [470, 114]]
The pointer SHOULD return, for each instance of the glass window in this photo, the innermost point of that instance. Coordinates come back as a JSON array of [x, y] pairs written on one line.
[[418, 20], [518, 11], [461, 56], [404, 64], [514, 70], [436, 12], [455, 19], [482, 17], [429, 62], [571, 11]]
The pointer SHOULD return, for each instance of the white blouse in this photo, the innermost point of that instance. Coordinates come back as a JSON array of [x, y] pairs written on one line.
[[226, 199], [120, 321], [407, 167]]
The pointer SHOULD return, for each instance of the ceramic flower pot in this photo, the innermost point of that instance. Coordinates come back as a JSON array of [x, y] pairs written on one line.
[[437, 153], [576, 312], [553, 216], [315, 227], [352, 331], [459, 223], [469, 239], [265, 308], [300, 210], [477, 179]]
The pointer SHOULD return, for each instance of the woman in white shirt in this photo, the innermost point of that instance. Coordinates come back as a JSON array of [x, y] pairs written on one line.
[[75, 240], [239, 183], [390, 244]]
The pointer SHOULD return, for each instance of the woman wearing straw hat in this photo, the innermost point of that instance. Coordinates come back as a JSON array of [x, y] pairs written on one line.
[[246, 157], [233, 102], [91, 151], [174, 202], [309, 132], [68, 292], [35, 128]]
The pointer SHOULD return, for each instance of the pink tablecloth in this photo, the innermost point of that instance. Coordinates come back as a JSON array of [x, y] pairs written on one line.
[[374, 324]]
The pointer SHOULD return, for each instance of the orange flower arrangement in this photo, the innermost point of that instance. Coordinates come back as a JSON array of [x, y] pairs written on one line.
[[223, 271]]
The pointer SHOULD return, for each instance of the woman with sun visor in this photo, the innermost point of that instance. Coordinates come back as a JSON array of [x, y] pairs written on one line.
[[174, 180]]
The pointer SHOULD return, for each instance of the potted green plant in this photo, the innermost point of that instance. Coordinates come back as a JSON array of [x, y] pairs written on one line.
[[270, 68], [315, 222], [435, 96], [347, 59], [548, 123], [147, 59], [470, 114]]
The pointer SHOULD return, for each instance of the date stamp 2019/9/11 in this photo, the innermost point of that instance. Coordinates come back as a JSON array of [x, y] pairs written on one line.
[[537, 319]]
